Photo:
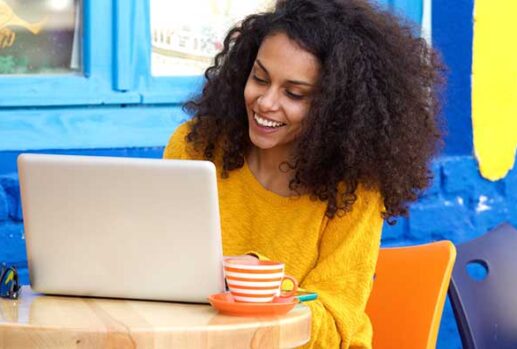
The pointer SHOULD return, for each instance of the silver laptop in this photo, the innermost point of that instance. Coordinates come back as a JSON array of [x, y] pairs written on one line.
[[121, 227]]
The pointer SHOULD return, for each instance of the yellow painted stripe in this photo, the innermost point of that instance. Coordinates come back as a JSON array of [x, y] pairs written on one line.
[[494, 86]]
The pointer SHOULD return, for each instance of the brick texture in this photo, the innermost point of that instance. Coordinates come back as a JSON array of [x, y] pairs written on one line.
[[9, 183], [13, 244], [4, 206]]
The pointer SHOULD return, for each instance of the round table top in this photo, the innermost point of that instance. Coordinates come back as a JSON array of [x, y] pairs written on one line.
[[42, 321]]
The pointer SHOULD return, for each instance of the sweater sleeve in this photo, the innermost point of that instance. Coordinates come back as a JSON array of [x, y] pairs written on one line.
[[177, 146], [343, 276]]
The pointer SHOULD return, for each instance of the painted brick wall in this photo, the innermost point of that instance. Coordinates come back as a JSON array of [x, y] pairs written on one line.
[[12, 244], [459, 206]]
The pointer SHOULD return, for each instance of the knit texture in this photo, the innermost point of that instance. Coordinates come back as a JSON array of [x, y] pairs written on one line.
[[334, 257]]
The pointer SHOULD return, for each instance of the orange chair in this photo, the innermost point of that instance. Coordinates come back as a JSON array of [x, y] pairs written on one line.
[[408, 295]]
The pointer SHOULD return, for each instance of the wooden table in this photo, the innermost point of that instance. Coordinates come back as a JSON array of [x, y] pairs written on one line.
[[39, 321]]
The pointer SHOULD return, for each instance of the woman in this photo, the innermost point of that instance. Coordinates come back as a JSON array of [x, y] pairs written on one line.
[[321, 119]]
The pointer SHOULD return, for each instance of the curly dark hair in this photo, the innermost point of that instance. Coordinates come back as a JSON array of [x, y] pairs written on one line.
[[373, 119]]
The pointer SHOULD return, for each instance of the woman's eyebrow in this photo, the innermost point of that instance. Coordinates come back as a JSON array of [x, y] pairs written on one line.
[[293, 82], [261, 66]]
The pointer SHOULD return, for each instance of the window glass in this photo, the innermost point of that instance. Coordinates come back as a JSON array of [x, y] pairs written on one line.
[[40, 36], [186, 35]]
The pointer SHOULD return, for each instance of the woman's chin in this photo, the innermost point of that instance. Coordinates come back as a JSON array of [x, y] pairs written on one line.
[[262, 145], [261, 142], [270, 143]]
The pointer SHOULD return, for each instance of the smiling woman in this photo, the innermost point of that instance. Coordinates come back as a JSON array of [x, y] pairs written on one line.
[[277, 97], [321, 118]]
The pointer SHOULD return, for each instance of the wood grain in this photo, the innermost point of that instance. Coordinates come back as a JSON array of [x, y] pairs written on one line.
[[39, 321]]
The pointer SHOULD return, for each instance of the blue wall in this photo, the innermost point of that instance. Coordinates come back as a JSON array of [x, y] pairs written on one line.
[[452, 36]]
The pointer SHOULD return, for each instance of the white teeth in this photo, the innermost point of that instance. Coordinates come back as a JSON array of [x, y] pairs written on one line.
[[266, 123]]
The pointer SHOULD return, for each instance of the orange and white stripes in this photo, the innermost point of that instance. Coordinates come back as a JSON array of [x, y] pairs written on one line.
[[253, 283]]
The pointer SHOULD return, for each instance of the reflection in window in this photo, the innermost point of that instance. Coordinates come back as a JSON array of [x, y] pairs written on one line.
[[40, 36], [186, 35]]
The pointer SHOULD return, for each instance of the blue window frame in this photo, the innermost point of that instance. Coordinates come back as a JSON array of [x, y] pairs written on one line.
[[134, 53], [93, 86], [114, 103], [116, 65], [411, 9]]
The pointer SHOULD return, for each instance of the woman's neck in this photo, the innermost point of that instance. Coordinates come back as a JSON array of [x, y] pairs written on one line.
[[266, 167]]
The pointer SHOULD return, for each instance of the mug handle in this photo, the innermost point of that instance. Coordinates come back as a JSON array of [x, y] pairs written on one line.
[[291, 292]]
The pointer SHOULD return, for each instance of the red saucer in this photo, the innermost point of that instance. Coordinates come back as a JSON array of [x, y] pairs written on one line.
[[225, 304]]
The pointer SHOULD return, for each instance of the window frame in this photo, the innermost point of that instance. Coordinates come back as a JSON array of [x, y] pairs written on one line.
[[116, 44], [91, 87]]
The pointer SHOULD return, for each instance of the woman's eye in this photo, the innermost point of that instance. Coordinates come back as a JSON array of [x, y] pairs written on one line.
[[293, 95], [259, 80]]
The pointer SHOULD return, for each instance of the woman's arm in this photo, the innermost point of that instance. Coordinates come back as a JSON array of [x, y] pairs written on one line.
[[343, 276]]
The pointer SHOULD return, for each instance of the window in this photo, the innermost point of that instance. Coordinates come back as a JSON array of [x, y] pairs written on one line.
[[74, 53], [40, 36], [187, 35]]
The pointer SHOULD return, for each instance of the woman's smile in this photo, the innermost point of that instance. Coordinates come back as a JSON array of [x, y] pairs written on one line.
[[265, 122]]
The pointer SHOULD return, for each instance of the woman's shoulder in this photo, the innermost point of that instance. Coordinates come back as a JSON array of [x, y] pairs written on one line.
[[365, 194], [178, 147], [368, 206]]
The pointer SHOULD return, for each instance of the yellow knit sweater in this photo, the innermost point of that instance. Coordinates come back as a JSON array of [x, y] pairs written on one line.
[[333, 257]]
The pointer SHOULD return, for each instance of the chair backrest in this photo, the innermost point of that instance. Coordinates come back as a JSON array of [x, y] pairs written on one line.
[[408, 294], [486, 309]]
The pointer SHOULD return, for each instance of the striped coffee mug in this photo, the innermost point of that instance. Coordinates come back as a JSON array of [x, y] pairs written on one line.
[[256, 281]]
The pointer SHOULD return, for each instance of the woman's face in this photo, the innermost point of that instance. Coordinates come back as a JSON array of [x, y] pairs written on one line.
[[278, 92]]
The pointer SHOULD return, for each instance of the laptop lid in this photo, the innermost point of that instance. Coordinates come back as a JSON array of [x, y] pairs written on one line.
[[121, 227]]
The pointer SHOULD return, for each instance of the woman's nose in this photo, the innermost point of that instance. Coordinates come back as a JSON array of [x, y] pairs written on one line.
[[268, 100]]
